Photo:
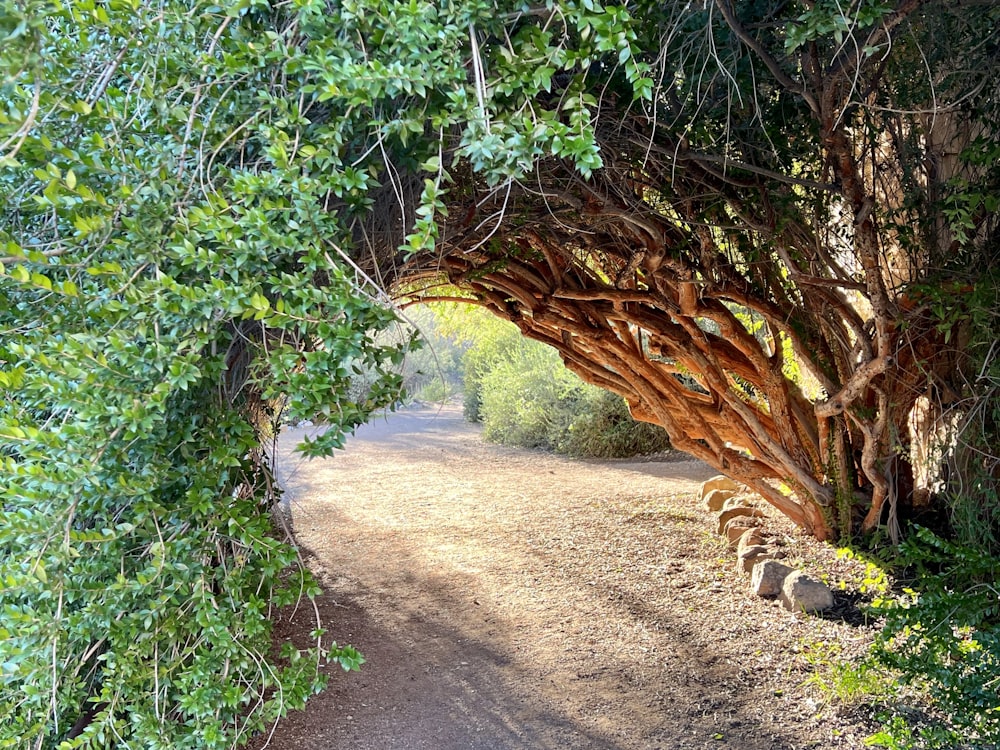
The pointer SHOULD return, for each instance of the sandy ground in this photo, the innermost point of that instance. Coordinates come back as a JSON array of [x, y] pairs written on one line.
[[513, 599]]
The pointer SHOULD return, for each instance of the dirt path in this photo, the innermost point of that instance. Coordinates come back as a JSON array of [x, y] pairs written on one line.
[[511, 599]]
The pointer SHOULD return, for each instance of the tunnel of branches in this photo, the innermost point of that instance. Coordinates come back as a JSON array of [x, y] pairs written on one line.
[[766, 291]]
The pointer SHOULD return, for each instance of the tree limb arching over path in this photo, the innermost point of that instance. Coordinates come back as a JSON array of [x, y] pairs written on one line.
[[513, 599]]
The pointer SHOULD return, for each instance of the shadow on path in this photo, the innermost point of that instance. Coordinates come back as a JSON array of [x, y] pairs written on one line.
[[467, 576]]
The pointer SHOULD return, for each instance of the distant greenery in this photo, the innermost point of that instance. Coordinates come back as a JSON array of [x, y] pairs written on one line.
[[524, 396], [432, 372]]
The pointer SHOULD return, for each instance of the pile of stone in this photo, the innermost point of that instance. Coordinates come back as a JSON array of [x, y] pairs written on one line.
[[741, 524]]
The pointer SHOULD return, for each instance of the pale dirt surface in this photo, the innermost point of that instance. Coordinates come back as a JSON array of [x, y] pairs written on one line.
[[513, 599]]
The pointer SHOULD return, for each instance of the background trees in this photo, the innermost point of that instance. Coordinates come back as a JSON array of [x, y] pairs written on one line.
[[519, 388]]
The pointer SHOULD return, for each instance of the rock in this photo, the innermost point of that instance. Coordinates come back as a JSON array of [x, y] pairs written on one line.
[[800, 593], [728, 515], [736, 501], [768, 576], [750, 556], [751, 538], [737, 527], [715, 499], [718, 483]]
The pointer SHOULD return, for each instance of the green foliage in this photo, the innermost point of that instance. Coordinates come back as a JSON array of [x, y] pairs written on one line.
[[524, 396], [842, 681], [181, 186], [930, 676], [528, 397], [485, 340], [826, 19], [942, 638], [167, 285], [603, 428]]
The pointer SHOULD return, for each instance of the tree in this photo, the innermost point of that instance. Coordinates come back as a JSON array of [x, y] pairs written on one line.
[[775, 253]]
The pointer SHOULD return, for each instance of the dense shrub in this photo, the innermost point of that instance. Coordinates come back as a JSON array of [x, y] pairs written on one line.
[[528, 398], [603, 428], [524, 396], [167, 284]]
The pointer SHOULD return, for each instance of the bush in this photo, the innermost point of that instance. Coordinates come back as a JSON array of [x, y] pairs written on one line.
[[943, 640], [525, 397], [529, 399], [603, 428], [166, 283]]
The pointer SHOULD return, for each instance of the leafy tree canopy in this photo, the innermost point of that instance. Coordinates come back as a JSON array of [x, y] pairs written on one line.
[[183, 185]]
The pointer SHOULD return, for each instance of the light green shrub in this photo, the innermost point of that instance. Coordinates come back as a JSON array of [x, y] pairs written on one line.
[[524, 396], [942, 638], [529, 399]]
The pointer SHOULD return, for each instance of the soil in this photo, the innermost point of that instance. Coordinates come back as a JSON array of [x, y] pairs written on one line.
[[506, 598]]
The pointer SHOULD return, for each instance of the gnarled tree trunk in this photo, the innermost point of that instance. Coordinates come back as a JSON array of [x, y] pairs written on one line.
[[756, 291]]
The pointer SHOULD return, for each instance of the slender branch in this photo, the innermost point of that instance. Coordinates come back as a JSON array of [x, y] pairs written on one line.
[[727, 162], [47, 253], [604, 295], [776, 70], [21, 134]]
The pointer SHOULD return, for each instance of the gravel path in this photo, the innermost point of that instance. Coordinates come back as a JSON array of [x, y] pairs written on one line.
[[513, 599]]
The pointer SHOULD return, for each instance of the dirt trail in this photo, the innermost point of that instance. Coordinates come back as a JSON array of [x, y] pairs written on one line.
[[511, 599]]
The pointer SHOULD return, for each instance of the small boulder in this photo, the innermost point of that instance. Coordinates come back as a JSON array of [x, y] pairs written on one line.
[[767, 577], [715, 499], [718, 483], [735, 501], [751, 538], [800, 593], [750, 556], [737, 527], [728, 515]]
